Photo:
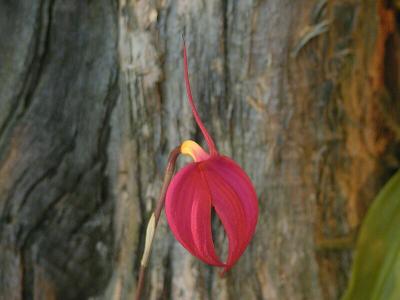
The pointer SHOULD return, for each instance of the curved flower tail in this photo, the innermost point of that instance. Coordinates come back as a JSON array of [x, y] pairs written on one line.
[[207, 136]]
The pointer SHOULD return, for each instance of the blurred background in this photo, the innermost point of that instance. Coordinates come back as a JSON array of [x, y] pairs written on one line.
[[304, 95]]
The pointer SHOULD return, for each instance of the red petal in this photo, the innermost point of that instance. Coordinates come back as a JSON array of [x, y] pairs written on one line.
[[235, 202], [217, 182], [188, 210], [234, 175]]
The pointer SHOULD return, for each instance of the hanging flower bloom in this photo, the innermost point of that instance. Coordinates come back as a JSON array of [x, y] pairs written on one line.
[[211, 181]]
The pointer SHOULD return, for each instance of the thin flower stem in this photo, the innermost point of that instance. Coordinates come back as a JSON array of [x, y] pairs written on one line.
[[155, 217]]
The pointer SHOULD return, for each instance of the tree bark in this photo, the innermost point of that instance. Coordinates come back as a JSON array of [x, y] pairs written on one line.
[[59, 70], [304, 95]]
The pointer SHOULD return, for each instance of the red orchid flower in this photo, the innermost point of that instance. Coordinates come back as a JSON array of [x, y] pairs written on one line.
[[211, 181]]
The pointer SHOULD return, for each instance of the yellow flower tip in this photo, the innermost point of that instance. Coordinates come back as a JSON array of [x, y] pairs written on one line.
[[194, 150]]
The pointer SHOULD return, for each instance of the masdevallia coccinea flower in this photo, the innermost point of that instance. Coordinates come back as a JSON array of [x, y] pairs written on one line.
[[210, 181]]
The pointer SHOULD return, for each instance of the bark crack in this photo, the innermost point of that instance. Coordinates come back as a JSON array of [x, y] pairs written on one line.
[[34, 70]]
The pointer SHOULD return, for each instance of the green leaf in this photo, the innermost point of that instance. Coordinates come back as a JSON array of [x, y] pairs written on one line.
[[376, 267]]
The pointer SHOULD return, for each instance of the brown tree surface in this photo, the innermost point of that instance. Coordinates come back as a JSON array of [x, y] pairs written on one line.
[[303, 94]]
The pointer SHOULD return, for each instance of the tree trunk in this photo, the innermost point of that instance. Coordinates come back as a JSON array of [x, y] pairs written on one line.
[[304, 95]]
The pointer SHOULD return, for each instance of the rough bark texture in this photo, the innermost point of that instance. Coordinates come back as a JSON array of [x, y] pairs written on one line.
[[303, 94], [58, 85]]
